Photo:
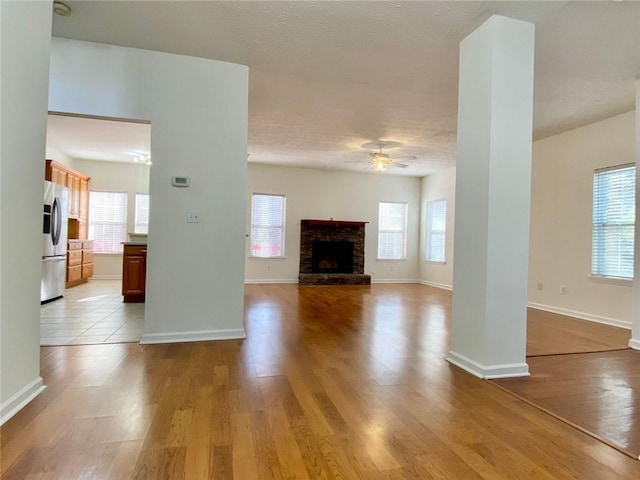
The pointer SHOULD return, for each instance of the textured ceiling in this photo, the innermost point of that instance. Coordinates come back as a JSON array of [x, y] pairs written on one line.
[[328, 77]]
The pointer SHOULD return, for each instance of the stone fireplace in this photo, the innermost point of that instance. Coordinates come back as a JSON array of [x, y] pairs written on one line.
[[332, 253]]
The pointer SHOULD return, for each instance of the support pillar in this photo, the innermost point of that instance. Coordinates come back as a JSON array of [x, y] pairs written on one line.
[[635, 323], [493, 178]]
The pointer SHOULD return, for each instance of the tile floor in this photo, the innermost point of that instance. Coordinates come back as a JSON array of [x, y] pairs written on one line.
[[91, 313]]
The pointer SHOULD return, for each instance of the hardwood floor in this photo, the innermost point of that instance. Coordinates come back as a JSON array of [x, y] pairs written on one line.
[[553, 334], [594, 391], [331, 383]]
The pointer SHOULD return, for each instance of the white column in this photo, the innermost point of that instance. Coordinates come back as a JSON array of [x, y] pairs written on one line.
[[493, 176], [635, 326]]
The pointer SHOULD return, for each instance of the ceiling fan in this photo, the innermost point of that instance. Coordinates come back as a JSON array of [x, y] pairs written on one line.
[[381, 161]]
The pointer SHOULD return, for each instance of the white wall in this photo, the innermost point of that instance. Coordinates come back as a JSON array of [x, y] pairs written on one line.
[[325, 194], [561, 209], [58, 156], [116, 177], [25, 35], [438, 186], [198, 112]]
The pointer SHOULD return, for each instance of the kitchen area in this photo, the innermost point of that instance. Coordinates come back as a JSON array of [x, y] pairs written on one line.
[[95, 227]]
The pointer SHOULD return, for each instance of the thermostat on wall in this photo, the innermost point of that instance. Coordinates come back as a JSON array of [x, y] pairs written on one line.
[[180, 181]]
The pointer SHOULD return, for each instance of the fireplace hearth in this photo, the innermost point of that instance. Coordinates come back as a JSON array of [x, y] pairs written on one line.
[[332, 253]]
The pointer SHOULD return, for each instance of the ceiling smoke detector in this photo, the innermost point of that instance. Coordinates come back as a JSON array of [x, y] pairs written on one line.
[[61, 9]]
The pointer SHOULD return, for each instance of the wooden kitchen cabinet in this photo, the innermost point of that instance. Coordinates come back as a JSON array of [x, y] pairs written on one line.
[[84, 198], [73, 184], [134, 272], [57, 174], [79, 261], [78, 200]]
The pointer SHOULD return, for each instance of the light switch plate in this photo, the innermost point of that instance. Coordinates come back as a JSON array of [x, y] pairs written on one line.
[[193, 217]]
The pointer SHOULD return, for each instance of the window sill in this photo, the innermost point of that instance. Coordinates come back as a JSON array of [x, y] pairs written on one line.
[[435, 262], [266, 258], [611, 280], [391, 259]]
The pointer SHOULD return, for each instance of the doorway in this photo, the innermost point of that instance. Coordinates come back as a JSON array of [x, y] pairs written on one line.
[[114, 158]]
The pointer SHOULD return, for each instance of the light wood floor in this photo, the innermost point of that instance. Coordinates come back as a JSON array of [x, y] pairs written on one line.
[[331, 383]]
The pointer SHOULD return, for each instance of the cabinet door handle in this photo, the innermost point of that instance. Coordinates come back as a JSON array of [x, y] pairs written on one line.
[[143, 251]]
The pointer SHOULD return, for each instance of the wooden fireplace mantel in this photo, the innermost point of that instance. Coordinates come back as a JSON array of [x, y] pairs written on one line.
[[333, 223]]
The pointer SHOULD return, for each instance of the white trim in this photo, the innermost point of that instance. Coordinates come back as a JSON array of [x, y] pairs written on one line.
[[20, 399], [106, 277], [634, 343], [197, 336], [270, 280], [506, 370], [251, 257], [436, 285], [627, 282], [581, 315], [392, 280]]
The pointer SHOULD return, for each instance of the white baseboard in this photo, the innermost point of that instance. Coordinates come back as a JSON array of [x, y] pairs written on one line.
[[581, 315], [392, 280], [106, 277], [507, 370], [289, 280], [197, 336], [635, 344], [281, 280], [436, 285], [20, 399]]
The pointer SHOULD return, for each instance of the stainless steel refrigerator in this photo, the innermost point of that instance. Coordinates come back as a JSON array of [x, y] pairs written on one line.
[[54, 250]]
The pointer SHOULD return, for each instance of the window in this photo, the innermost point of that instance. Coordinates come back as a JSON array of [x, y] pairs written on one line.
[[392, 230], [435, 234], [107, 221], [613, 222], [267, 225], [142, 213]]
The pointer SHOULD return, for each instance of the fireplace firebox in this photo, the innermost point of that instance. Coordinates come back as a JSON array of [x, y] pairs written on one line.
[[332, 257]]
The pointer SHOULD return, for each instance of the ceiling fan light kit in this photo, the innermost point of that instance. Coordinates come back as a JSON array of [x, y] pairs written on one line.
[[381, 161]]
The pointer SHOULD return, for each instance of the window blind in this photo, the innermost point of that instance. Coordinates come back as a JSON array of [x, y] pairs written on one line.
[[392, 226], [613, 222], [435, 235], [107, 221], [267, 225], [142, 213]]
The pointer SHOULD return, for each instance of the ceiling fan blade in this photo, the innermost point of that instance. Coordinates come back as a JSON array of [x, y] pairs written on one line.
[[357, 161], [410, 157], [398, 165]]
